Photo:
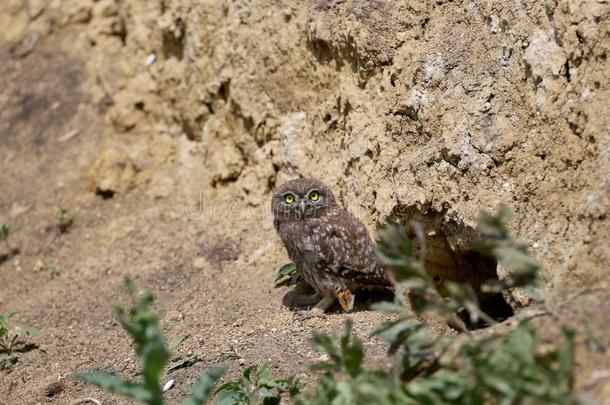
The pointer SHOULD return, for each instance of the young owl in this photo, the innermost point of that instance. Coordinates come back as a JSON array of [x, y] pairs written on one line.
[[332, 250]]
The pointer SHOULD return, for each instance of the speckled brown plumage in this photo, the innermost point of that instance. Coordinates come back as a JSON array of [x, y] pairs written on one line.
[[330, 247]]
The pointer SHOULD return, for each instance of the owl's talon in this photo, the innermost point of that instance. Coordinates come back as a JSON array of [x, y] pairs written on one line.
[[311, 313], [318, 310]]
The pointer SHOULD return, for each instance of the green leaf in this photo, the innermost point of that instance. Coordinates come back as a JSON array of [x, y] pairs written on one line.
[[7, 316], [286, 270], [262, 374], [129, 286], [202, 389], [566, 357], [266, 392], [4, 322], [24, 330], [346, 396], [183, 361], [388, 307], [112, 383], [6, 228], [230, 397], [256, 386], [324, 344], [464, 369], [497, 242], [352, 357], [154, 359], [178, 340], [7, 361], [494, 226], [142, 325], [59, 211], [397, 333]]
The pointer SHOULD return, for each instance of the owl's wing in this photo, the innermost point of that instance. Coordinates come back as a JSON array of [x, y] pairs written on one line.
[[346, 250]]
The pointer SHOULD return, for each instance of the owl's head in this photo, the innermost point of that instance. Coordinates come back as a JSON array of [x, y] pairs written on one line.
[[302, 198]]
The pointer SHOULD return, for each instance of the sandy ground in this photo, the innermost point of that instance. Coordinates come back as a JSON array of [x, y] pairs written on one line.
[[209, 260]]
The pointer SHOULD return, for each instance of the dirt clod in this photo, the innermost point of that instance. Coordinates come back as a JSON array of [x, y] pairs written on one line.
[[54, 389]]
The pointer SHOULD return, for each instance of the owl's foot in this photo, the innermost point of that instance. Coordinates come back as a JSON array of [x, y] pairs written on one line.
[[310, 313], [318, 310]]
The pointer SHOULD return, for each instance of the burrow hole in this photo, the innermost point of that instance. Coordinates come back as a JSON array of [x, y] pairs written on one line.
[[451, 255]]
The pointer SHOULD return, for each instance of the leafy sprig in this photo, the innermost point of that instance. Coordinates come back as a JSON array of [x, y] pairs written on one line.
[[142, 324], [288, 273], [6, 230]]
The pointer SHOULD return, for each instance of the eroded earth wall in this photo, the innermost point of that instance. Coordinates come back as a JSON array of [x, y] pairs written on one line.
[[433, 108]]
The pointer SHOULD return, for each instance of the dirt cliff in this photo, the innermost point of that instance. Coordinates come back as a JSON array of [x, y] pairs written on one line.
[[170, 123]]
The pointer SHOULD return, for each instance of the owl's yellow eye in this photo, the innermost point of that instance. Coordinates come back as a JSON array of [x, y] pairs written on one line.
[[314, 196], [288, 198]]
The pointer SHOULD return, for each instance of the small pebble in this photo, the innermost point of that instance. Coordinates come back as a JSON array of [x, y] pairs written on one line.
[[168, 385], [54, 388], [199, 263], [39, 266], [150, 59]]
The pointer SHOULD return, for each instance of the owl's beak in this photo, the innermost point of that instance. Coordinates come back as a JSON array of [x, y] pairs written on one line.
[[302, 207]]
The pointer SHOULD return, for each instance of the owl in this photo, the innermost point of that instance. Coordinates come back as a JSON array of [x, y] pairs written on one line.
[[331, 249]]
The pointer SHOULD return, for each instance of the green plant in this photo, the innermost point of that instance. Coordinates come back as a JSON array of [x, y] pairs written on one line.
[[178, 340], [497, 242], [287, 273], [592, 341], [61, 214], [11, 337], [12, 340], [464, 369], [181, 361], [509, 368], [345, 380], [53, 269], [256, 386], [202, 389], [6, 230], [142, 324]]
